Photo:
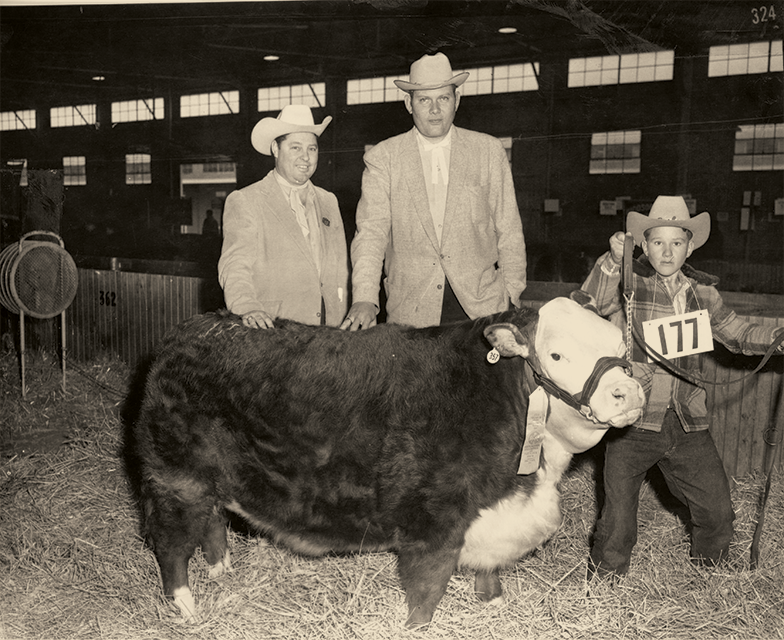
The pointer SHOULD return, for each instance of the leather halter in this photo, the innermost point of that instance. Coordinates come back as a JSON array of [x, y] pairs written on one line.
[[581, 401]]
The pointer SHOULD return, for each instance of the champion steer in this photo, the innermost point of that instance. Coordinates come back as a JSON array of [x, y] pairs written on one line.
[[389, 438]]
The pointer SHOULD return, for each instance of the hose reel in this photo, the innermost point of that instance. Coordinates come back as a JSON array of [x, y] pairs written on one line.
[[37, 278]]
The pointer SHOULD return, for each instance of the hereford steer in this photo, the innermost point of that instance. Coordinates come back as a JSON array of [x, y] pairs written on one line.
[[389, 438]]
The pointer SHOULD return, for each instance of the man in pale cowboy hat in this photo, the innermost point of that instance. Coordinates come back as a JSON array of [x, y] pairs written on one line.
[[677, 313], [438, 209], [284, 249]]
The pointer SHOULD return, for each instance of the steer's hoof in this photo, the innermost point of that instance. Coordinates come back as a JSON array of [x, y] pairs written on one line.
[[495, 602], [220, 567], [418, 618], [183, 600], [488, 588]]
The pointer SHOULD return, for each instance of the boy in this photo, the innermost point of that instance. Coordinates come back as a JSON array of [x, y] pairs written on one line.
[[673, 431]]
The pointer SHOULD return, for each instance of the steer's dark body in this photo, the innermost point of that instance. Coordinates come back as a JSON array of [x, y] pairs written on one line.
[[328, 440]]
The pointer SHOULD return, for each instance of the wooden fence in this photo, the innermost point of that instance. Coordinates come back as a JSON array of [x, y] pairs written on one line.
[[124, 309], [125, 313]]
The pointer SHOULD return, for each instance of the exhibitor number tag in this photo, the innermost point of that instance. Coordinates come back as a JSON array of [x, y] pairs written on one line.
[[680, 335]]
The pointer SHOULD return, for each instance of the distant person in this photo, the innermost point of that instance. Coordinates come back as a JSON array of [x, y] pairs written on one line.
[[209, 227], [673, 431], [284, 248], [438, 210]]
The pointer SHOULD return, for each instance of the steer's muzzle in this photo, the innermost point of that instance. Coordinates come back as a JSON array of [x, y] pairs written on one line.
[[617, 400]]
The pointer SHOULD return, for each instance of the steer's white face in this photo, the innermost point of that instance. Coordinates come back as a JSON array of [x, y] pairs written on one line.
[[569, 341]]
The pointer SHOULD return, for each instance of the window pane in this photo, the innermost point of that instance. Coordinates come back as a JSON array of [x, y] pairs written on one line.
[[598, 153], [615, 152], [631, 165], [757, 147], [646, 74], [762, 162], [597, 166], [776, 57]]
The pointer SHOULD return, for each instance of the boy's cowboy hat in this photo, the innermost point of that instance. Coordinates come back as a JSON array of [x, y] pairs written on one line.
[[293, 119], [431, 72], [669, 211]]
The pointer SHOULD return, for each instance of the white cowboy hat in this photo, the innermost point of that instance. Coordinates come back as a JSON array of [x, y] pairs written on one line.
[[293, 119], [431, 72], [669, 211]]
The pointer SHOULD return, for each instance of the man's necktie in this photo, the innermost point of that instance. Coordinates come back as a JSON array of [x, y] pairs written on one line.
[[298, 207], [438, 167]]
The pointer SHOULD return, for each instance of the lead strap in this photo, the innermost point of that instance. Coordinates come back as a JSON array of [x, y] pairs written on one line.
[[628, 288]]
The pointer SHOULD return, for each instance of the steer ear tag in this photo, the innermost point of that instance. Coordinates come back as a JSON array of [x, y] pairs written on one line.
[[493, 356], [534, 432]]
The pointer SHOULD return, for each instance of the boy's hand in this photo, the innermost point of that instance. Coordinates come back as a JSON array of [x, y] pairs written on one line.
[[616, 246]]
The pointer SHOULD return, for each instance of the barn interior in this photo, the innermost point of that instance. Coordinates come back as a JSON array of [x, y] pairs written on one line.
[[121, 123], [143, 114]]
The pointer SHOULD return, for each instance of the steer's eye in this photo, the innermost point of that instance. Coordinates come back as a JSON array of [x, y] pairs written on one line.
[[555, 356]]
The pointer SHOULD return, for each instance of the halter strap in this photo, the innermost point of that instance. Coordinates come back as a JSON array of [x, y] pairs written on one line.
[[581, 401]]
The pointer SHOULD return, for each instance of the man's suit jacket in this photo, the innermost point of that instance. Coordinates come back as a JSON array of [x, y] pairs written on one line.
[[482, 249], [266, 263]]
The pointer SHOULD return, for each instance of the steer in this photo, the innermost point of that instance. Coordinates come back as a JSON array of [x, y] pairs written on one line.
[[389, 438]]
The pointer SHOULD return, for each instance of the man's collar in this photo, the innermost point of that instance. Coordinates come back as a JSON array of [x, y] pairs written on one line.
[[286, 185], [428, 144]]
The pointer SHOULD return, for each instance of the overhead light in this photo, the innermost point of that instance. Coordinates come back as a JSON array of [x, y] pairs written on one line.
[[271, 58], [99, 78], [507, 30]]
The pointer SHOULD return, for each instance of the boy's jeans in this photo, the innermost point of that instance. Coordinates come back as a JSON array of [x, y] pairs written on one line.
[[694, 473]]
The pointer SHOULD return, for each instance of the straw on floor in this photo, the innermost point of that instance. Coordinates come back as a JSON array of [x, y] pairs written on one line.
[[74, 564]]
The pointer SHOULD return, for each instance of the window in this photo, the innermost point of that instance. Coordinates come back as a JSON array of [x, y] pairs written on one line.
[[138, 168], [275, 98], [72, 116], [373, 90], [205, 185], [74, 171], [16, 120], [219, 167], [508, 78], [743, 59], [137, 110], [210, 104], [653, 66], [615, 152], [759, 147], [481, 81]]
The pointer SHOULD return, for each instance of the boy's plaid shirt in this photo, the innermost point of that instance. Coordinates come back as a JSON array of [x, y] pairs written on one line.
[[652, 301]]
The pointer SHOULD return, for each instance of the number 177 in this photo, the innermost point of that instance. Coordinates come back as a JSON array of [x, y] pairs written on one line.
[[678, 326]]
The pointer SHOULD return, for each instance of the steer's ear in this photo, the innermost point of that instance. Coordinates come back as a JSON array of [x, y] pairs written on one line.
[[507, 339], [585, 300]]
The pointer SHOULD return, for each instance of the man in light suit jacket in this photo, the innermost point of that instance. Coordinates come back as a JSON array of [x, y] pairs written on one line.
[[284, 248], [438, 210]]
